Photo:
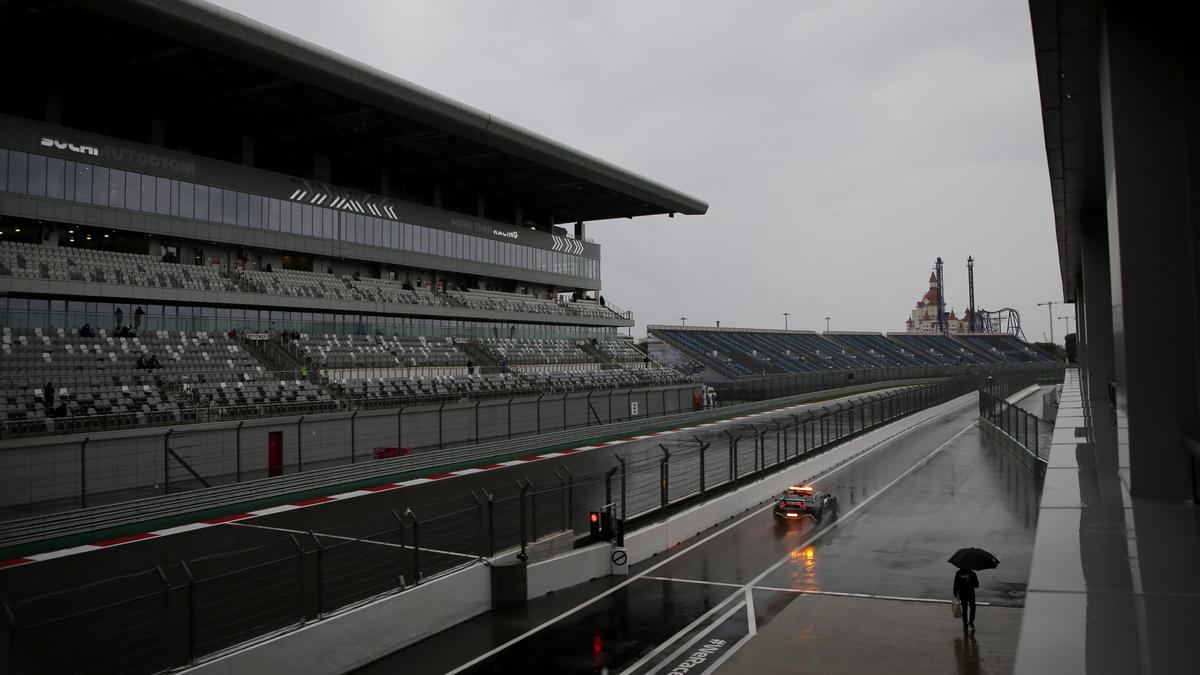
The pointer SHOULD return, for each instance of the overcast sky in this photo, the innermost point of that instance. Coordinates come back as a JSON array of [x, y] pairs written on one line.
[[841, 145]]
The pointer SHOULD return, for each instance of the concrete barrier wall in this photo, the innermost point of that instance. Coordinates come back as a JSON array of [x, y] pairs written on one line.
[[355, 638]]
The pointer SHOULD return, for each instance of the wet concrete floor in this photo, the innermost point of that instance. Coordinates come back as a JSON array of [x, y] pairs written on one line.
[[753, 589]]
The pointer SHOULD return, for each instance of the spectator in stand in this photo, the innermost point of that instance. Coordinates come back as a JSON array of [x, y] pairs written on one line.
[[470, 367], [268, 268], [141, 362], [86, 331], [48, 395], [232, 333], [329, 269], [356, 275], [154, 363], [118, 317], [137, 317]]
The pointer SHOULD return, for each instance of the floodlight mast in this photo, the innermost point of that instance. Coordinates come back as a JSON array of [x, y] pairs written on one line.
[[1049, 305]]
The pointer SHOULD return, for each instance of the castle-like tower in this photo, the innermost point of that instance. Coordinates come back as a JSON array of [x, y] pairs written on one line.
[[924, 317]]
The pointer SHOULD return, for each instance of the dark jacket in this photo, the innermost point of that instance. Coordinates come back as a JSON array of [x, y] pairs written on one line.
[[965, 583]]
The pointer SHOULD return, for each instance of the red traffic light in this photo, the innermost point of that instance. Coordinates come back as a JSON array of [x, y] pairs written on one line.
[[595, 516]]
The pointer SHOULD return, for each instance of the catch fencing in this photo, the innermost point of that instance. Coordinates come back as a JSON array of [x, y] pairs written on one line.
[[61, 473], [189, 611]]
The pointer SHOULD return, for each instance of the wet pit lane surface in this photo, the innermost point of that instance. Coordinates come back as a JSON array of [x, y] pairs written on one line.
[[903, 509]]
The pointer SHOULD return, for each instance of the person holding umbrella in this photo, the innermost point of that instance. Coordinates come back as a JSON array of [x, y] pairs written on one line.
[[965, 583], [967, 560]]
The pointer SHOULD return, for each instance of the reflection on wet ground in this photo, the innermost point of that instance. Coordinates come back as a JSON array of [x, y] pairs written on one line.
[[842, 592]]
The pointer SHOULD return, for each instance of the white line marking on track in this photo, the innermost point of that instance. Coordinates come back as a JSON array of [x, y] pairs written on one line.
[[683, 631], [770, 504], [694, 581], [808, 591], [832, 526]]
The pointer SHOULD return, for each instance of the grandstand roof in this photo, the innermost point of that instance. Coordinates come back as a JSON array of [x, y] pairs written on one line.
[[208, 77], [1065, 43]]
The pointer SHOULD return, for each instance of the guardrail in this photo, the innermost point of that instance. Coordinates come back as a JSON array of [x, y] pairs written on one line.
[[1017, 425], [178, 614]]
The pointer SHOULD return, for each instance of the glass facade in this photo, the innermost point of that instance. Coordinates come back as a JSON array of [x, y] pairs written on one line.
[[26, 314], [81, 182]]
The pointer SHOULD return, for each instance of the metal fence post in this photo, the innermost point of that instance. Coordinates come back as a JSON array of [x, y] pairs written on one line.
[[539, 414], [478, 521], [570, 496], [565, 395], [166, 460], [300, 444], [663, 475], [320, 599], [237, 440], [624, 477], [477, 404], [510, 400], [400, 427], [352, 416], [778, 456], [732, 450], [441, 444], [416, 563], [608, 495], [562, 498], [703, 449], [83, 472]]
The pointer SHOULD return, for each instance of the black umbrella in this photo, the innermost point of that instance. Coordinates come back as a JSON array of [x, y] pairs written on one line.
[[973, 559]]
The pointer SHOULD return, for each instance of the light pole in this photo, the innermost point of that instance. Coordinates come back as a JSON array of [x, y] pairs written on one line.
[[1066, 326], [718, 323], [826, 324], [1049, 305], [683, 320], [785, 316]]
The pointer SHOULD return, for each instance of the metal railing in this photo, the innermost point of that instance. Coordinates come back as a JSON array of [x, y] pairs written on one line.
[[185, 612], [1020, 426]]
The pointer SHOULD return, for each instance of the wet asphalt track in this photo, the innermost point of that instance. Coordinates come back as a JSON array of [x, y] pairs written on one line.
[[900, 517]]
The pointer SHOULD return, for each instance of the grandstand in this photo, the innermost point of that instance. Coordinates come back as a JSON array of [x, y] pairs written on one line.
[[286, 232], [724, 354]]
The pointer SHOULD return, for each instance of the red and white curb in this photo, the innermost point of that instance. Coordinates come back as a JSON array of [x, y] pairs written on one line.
[[367, 491]]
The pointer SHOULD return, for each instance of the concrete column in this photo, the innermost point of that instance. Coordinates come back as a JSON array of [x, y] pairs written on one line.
[[580, 231], [1146, 126], [1095, 321]]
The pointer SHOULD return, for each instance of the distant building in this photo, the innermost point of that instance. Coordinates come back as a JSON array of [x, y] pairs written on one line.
[[924, 319]]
